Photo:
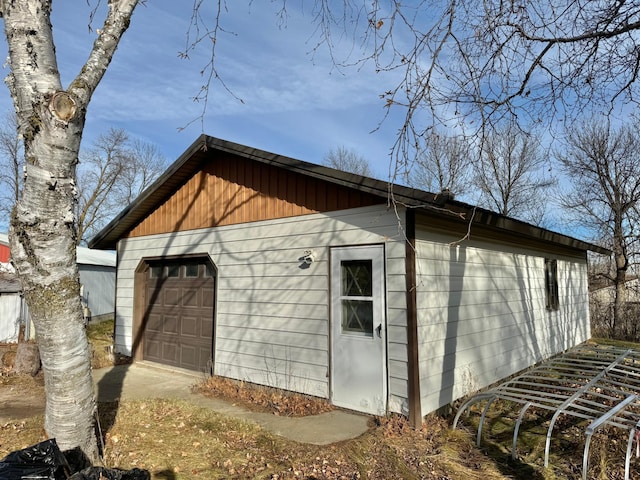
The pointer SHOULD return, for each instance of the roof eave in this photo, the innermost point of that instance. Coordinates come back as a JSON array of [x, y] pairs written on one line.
[[474, 215], [188, 163]]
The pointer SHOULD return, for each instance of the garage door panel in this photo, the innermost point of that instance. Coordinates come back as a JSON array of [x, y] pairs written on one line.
[[171, 296], [170, 353], [205, 359], [189, 356], [190, 297], [180, 315], [153, 349], [208, 297], [189, 326], [207, 327], [154, 323], [170, 324]]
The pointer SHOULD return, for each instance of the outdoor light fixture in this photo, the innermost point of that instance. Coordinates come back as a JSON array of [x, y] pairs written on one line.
[[309, 257]]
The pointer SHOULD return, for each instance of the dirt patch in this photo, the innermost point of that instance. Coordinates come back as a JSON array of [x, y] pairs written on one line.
[[9, 410], [21, 396]]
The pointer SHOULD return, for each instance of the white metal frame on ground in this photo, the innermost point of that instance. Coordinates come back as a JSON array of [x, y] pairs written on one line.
[[590, 382]]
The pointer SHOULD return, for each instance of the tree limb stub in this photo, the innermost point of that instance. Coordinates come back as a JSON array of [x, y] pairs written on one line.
[[63, 106]]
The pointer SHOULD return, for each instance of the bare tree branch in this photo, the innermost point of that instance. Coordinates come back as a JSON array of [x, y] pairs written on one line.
[[510, 174], [112, 173], [342, 158], [604, 168], [468, 65]]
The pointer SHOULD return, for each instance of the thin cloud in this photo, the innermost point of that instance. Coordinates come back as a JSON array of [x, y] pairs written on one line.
[[293, 102]]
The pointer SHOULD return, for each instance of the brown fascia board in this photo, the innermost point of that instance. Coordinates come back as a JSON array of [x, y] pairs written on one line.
[[466, 216], [189, 162]]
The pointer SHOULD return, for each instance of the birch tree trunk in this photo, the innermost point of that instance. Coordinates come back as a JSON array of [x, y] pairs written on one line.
[[43, 229]]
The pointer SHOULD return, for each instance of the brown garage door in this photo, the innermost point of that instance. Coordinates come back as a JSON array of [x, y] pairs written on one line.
[[179, 313]]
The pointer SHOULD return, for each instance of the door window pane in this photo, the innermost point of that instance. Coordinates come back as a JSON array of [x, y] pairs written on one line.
[[155, 271], [356, 278], [357, 317], [357, 301], [191, 270], [173, 270]]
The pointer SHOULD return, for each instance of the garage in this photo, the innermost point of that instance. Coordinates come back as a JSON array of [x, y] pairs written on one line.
[[179, 313]]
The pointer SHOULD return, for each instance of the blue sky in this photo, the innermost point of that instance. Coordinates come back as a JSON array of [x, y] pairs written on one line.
[[294, 103]]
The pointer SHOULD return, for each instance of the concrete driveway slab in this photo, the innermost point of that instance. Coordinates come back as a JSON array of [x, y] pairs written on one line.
[[142, 380]]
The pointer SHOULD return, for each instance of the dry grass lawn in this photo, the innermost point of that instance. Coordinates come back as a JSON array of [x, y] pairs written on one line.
[[176, 440]]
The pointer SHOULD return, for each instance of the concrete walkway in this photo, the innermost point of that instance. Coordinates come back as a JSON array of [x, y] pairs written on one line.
[[141, 380]]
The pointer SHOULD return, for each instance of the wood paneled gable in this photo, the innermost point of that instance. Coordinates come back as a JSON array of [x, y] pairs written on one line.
[[216, 182], [229, 189]]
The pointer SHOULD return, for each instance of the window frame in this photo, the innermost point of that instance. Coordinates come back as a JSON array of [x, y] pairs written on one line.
[[552, 297], [351, 299]]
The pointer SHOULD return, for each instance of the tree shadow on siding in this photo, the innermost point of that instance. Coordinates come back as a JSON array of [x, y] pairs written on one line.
[[457, 256], [110, 386]]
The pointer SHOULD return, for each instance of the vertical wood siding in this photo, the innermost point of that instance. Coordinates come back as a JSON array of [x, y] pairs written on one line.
[[272, 316], [482, 315], [232, 190]]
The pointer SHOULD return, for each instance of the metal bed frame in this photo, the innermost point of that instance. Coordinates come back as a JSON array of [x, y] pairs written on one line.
[[600, 384]]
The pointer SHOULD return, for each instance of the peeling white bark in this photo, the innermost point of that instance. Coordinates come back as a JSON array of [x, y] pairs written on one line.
[[42, 234]]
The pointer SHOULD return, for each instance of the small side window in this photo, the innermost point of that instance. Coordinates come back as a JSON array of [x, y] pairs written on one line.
[[173, 271], [191, 270], [551, 283], [156, 271]]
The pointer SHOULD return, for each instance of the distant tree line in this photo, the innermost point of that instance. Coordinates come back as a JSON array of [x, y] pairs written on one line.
[[110, 174], [588, 186]]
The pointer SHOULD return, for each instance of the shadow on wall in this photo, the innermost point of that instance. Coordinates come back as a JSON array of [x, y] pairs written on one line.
[[110, 386], [457, 256]]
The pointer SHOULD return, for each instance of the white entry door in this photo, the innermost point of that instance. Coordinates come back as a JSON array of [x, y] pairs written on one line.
[[358, 329]]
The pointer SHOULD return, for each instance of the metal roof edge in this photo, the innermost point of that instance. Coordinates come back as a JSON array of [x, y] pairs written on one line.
[[519, 228], [410, 197]]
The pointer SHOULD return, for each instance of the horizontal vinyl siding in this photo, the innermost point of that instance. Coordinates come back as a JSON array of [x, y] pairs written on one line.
[[482, 315], [99, 285], [396, 335], [10, 317], [271, 315]]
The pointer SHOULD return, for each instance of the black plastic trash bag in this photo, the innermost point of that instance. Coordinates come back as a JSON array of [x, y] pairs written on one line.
[[43, 461], [99, 473]]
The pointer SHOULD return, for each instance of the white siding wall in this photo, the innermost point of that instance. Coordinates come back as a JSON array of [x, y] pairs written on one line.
[[10, 317], [98, 288], [272, 316], [482, 315]]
